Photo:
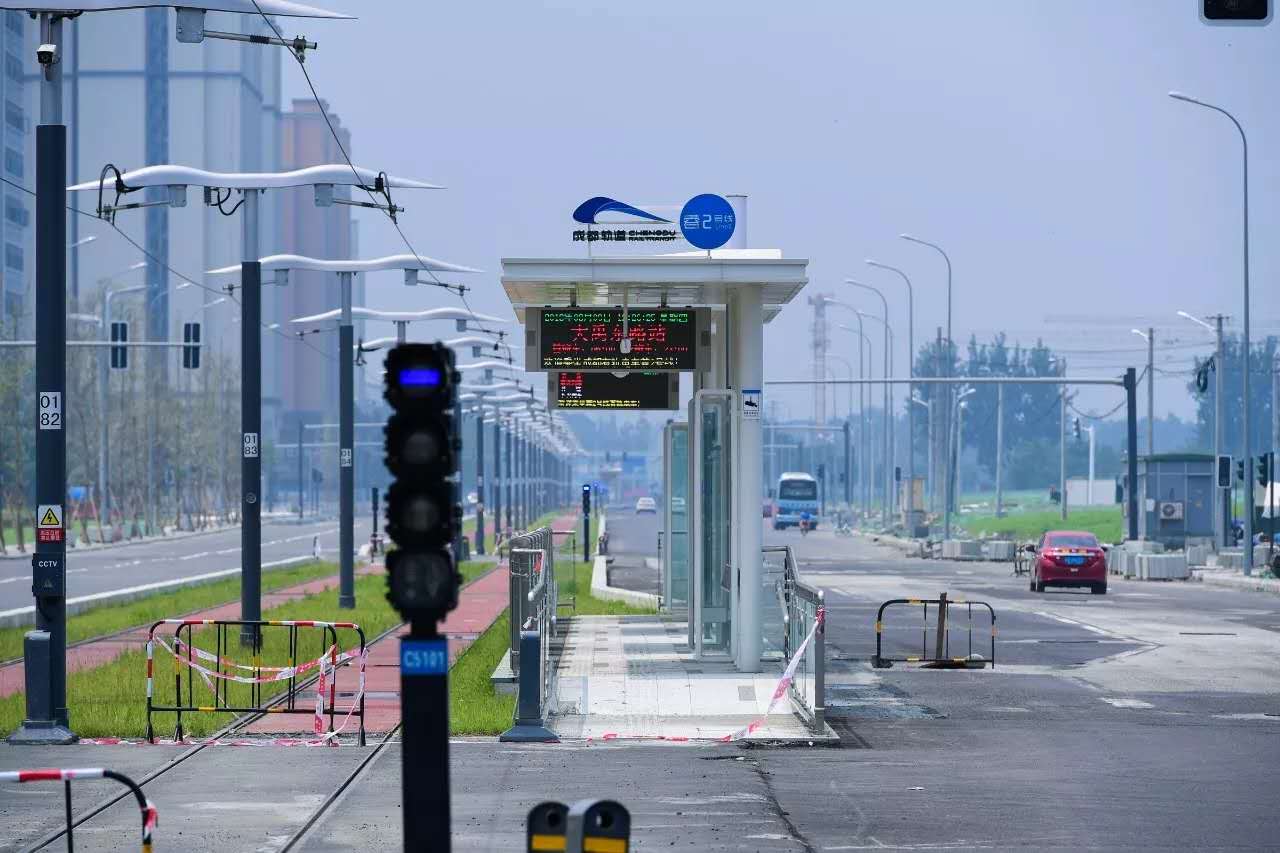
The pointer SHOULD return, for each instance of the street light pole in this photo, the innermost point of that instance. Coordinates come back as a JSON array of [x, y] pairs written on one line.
[[911, 412], [950, 358], [1221, 512], [1062, 443], [1245, 345], [888, 399], [1000, 450], [1150, 337]]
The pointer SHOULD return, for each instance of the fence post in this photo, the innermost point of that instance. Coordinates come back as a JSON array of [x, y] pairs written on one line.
[[529, 726]]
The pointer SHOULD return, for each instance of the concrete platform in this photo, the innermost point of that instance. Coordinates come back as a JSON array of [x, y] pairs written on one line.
[[635, 678]]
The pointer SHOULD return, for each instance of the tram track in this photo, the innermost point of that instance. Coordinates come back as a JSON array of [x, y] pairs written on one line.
[[229, 729]]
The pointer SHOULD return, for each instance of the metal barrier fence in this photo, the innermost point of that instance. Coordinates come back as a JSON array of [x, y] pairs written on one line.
[[942, 655], [149, 814], [801, 605], [534, 597], [218, 671]]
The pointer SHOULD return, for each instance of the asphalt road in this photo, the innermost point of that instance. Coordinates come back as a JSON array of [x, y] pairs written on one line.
[[1146, 719], [633, 545], [101, 570]]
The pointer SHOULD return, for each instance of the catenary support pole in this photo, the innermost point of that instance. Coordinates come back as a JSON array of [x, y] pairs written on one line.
[[1151, 391], [46, 719], [999, 451], [480, 481], [302, 478], [496, 488], [250, 420], [346, 449]]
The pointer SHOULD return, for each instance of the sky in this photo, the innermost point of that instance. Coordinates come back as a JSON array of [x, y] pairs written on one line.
[[1034, 140]]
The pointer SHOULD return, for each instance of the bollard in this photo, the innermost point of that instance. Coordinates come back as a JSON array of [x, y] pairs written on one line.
[[546, 827], [599, 826], [529, 727], [37, 653], [940, 649]]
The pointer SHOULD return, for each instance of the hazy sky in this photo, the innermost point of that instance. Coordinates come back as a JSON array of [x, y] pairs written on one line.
[[1033, 139]]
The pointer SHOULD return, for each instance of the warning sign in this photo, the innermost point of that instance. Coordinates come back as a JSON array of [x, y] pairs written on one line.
[[49, 523], [50, 515]]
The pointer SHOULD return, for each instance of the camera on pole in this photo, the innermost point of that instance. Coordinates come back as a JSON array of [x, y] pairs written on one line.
[[421, 453]]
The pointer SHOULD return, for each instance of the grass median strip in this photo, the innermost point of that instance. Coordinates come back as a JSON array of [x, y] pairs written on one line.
[[475, 708], [110, 618], [1104, 522]]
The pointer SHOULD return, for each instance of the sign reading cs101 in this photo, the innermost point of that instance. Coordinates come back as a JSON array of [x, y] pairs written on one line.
[[662, 339]]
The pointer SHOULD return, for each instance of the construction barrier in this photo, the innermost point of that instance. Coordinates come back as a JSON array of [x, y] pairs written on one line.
[[942, 656], [218, 671], [149, 814]]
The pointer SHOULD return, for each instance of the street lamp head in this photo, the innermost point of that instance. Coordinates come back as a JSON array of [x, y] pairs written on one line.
[[1140, 334]]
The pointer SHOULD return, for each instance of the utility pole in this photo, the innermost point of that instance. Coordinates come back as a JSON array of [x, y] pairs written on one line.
[[302, 476], [1000, 450], [496, 489], [1131, 437], [250, 421], [1151, 392], [1223, 510], [45, 649]]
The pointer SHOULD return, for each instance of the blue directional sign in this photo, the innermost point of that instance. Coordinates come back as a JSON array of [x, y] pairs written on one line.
[[707, 221]]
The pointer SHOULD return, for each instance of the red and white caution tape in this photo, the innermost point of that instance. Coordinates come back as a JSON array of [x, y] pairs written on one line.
[[788, 676], [51, 775]]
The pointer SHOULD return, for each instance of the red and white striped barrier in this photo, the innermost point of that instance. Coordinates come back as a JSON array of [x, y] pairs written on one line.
[[150, 816], [780, 690]]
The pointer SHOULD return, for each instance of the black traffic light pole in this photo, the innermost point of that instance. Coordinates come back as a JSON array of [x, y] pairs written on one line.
[[496, 488], [480, 481], [423, 519], [1131, 419], [250, 421], [45, 648], [586, 522]]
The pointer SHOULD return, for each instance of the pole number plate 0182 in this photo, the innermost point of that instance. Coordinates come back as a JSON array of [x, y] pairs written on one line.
[[50, 410]]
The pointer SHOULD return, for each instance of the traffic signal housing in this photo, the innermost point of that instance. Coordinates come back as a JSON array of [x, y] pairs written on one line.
[[119, 354], [1224, 472], [421, 445], [1264, 469], [191, 346], [1242, 11]]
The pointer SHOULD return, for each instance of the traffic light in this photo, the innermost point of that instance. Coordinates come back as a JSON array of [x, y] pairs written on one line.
[[1240, 470], [1235, 10], [421, 454], [1264, 469], [1075, 426], [120, 354], [191, 354], [586, 499], [1224, 472]]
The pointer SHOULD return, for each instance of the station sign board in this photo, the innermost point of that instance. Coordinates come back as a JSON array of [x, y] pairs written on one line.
[[638, 391], [591, 339]]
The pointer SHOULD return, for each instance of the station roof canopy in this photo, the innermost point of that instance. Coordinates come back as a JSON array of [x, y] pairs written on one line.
[[690, 278]]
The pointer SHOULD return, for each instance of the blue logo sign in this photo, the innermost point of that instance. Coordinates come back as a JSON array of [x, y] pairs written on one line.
[[424, 657], [707, 221], [593, 207]]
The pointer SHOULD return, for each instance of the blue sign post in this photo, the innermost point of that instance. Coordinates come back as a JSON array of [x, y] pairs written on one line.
[[707, 221]]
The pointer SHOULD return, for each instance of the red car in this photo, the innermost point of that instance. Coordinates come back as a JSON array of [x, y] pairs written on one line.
[[1070, 558]]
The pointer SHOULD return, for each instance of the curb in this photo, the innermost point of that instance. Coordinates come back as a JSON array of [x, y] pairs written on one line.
[[600, 582], [1234, 580]]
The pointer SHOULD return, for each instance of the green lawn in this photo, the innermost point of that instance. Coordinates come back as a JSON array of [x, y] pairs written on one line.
[[475, 708], [1104, 522], [110, 618]]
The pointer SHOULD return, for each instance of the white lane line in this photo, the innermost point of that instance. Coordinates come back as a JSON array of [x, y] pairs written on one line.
[[1095, 629], [1125, 703], [195, 556], [159, 585]]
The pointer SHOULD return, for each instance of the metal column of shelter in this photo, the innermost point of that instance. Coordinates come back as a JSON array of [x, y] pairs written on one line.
[[744, 288]]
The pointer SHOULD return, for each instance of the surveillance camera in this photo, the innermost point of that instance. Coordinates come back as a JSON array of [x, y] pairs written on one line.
[[47, 54]]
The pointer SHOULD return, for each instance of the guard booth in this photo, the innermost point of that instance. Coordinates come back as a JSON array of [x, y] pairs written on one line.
[[697, 312]]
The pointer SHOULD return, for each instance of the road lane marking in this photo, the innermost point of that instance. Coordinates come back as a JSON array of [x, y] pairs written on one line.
[[1125, 703]]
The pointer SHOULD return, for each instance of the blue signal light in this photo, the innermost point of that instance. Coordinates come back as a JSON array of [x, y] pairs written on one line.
[[420, 377]]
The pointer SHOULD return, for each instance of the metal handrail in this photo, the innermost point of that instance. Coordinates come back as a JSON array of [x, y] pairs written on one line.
[[800, 604]]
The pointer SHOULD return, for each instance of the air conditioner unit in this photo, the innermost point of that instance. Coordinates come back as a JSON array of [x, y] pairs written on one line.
[[1171, 511]]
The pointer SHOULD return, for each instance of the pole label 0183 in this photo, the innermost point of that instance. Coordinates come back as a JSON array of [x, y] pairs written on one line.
[[344, 457], [424, 657], [50, 410], [250, 445]]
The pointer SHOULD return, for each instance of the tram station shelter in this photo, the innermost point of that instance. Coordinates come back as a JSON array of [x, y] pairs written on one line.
[[713, 565]]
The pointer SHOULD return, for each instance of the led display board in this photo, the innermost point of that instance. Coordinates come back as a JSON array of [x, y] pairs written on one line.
[[591, 339], [579, 390]]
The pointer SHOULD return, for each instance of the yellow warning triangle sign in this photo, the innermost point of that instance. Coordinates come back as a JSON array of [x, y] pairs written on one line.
[[50, 518]]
